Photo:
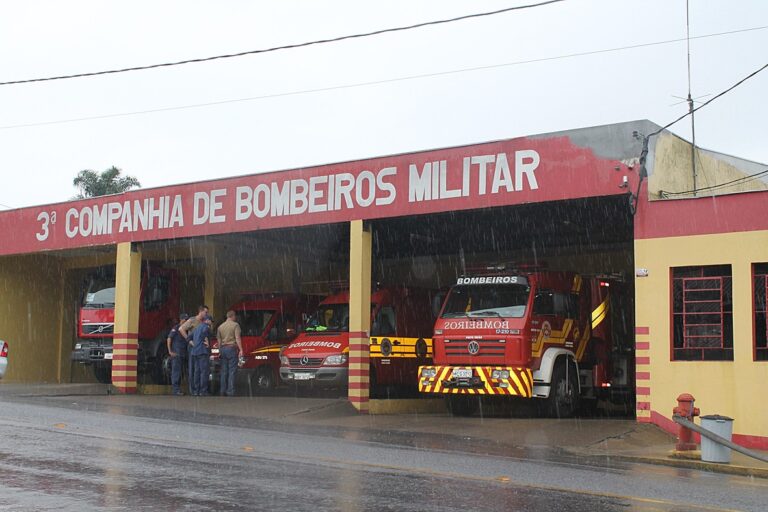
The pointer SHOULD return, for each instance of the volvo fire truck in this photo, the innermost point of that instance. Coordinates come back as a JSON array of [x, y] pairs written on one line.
[[159, 306], [401, 326], [530, 334]]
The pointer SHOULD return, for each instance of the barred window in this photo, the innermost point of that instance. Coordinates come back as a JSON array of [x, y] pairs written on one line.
[[702, 313], [760, 308]]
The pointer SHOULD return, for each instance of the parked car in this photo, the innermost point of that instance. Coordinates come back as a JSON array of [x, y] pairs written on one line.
[[3, 357]]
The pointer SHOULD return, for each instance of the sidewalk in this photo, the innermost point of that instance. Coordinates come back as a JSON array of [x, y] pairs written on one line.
[[650, 445], [599, 440]]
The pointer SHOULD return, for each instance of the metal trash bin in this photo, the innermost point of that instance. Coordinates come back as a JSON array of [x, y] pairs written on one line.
[[723, 427]]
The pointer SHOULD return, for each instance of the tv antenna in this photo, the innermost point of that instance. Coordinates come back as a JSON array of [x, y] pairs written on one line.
[[689, 99]]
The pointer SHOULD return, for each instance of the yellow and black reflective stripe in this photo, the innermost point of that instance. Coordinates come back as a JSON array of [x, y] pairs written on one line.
[[583, 342], [600, 312], [267, 349], [576, 284], [519, 383], [400, 347], [555, 337]]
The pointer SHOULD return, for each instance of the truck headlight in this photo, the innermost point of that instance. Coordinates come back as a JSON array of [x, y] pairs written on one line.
[[428, 373], [500, 374], [335, 360], [284, 360], [78, 346]]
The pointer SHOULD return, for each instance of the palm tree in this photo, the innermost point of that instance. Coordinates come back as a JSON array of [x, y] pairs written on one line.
[[94, 184]]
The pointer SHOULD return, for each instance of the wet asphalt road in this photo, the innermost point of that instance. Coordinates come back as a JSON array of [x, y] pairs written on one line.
[[59, 457]]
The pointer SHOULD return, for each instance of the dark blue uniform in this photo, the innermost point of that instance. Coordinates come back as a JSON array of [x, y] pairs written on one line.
[[179, 347], [198, 354]]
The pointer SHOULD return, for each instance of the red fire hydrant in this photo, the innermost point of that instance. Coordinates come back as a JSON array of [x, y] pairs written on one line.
[[686, 410]]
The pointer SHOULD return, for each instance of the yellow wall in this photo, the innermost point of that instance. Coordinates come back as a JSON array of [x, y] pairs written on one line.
[[732, 388], [673, 170], [30, 317]]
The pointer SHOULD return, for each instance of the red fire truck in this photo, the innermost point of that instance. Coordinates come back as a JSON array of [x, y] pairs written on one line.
[[159, 305], [268, 322], [401, 324], [528, 334]]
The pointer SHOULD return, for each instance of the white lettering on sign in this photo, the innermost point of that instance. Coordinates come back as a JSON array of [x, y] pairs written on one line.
[[326, 344], [45, 219], [476, 324], [207, 206], [128, 216], [432, 181], [317, 194], [366, 188], [492, 280]]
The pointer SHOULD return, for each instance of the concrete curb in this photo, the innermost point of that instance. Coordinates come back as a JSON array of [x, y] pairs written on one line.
[[406, 406], [712, 467]]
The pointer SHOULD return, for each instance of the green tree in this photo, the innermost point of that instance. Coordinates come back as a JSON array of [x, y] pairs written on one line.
[[94, 184]]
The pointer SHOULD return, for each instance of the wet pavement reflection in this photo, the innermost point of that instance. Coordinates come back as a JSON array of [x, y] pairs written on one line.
[[64, 457]]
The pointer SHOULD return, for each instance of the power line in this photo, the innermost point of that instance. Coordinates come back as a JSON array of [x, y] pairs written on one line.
[[646, 138], [374, 82], [6, 206], [285, 47], [732, 183], [691, 111]]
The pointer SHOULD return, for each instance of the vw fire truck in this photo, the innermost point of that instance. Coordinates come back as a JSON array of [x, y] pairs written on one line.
[[401, 325], [533, 334], [159, 306]]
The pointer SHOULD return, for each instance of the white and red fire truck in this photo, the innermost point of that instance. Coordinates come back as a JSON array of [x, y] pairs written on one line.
[[268, 322], [529, 334], [401, 324]]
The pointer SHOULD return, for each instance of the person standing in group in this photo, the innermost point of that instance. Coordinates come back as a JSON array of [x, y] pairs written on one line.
[[185, 329], [230, 350], [177, 351], [188, 326], [198, 355]]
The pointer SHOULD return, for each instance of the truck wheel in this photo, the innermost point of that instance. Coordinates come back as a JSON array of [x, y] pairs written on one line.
[[564, 397], [265, 379], [161, 367], [103, 373], [462, 405]]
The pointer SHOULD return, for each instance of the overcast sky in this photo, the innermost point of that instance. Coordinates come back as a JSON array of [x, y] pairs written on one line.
[[45, 38]]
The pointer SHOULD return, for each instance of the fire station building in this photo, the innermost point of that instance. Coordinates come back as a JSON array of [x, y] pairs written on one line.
[[686, 230]]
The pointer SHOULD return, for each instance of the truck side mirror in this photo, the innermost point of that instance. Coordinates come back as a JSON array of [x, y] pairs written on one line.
[[437, 304]]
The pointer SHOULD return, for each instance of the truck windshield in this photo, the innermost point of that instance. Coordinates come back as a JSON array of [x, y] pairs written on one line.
[[100, 293], [254, 322], [330, 317], [507, 301]]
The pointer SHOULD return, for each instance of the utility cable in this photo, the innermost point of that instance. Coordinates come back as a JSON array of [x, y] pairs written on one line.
[[691, 111], [737, 181], [376, 82], [285, 47]]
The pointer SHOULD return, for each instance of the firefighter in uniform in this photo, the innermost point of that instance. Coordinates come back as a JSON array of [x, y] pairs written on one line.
[[230, 349], [185, 329], [198, 355], [177, 351]]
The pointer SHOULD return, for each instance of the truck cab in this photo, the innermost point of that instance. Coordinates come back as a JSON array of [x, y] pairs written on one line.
[[401, 325], [523, 334], [268, 322], [159, 306]]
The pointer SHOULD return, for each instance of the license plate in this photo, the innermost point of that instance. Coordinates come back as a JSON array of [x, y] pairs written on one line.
[[462, 373], [108, 355], [303, 376]]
